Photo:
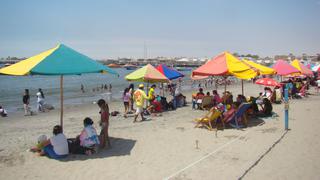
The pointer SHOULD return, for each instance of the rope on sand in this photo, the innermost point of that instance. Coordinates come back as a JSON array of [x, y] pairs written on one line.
[[206, 156], [260, 158]]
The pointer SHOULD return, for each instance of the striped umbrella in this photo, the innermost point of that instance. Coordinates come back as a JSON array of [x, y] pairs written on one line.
[[60, 60], [267, 82]]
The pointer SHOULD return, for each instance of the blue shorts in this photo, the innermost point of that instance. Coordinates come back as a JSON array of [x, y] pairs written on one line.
[[48, 150]]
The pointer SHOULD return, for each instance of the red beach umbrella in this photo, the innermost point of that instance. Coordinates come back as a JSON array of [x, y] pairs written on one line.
[[267, 82]]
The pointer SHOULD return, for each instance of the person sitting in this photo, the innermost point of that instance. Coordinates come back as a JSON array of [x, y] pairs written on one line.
[[267, 93], [3, 112], [216, 98], [57, 146], [88, 138], [227, 98], [229, 112], [199, 97], [266, 108], [241, 99], [254, 107]]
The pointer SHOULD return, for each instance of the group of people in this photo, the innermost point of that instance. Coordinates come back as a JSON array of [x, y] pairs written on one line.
[[155, 103], [40, 102], [260, 106], [87, 142], [103, 87]]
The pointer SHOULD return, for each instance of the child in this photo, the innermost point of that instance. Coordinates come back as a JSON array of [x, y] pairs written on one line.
[[40, 145]]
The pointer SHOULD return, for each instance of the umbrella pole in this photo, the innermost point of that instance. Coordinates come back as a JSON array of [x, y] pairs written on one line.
[[242, 90], [147, 94], [61, 101], [225, 88]]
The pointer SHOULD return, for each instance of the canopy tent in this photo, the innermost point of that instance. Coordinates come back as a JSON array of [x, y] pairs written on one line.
[[225, 64], [302, 68], [147, 74], [262, 70], [60, 60], [170, 73], [283, 68]]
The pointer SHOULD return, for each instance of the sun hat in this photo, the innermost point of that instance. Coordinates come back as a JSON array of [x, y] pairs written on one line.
[[141, 86]]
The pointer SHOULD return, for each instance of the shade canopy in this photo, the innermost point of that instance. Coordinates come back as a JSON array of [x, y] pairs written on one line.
[[170, 73], [283, 68], [302, 68], [225, 64], [147, 73], [263, 70], [60, 60], [267, 82]]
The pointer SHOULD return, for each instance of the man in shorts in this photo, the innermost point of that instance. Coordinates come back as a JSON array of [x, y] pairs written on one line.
[[139, 96]]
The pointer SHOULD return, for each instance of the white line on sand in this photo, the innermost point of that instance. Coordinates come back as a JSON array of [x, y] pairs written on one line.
[[204, 157]]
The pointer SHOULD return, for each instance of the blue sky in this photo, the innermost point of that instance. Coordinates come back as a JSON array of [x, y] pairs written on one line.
[[194, 28]]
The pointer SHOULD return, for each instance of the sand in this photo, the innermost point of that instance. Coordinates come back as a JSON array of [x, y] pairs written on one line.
[[165, 147]]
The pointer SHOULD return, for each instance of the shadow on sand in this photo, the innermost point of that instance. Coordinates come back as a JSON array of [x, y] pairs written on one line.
[[120, 147]]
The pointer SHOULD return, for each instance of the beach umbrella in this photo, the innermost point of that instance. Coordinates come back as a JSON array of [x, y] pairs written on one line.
[[60, 60], [267, 82], [262, 70], [302, 68], [170, 73], [148, 74], [283, 68], [225, 65]]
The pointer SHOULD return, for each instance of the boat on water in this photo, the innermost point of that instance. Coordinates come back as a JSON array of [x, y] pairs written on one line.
[[130, 66], [114, 66]]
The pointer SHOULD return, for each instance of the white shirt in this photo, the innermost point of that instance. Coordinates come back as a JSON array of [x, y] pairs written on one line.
[[39, 97], [60, 144], [318, 82]]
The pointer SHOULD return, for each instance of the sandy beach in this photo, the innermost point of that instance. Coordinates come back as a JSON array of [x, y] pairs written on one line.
[[165, 147]]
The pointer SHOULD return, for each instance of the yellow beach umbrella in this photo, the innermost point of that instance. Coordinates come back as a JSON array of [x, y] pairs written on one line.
[[263, 70], [148, 74], [302, 68]]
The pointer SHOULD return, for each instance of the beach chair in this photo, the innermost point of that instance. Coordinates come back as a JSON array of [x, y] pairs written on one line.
[[239, 115], [209, 119], [207, 102]]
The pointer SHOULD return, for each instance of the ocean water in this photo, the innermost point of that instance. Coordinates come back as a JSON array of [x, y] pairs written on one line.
[[12, 88]]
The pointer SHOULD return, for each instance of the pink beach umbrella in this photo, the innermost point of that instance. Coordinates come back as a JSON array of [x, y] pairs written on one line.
[[283, 68]]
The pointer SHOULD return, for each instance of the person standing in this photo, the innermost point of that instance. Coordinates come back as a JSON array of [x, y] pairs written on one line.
[[82, 88], [139, 97], [26, 102], [110, 88], [40, 100], [104, 123], [131, 91], [126, 99]]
